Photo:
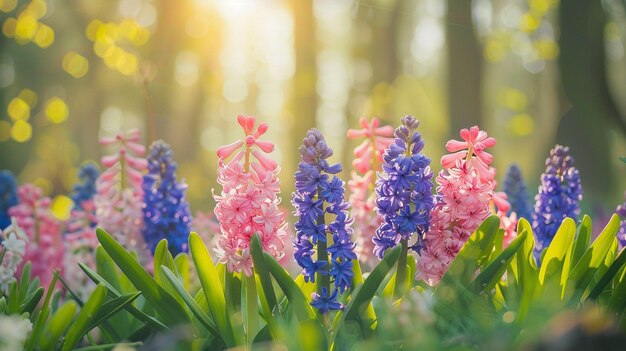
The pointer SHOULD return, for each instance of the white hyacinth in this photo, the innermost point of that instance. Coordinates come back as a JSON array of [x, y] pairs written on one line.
[[12, 251], [14, 330]]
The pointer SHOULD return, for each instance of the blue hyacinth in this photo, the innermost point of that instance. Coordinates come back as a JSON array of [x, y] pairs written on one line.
[[8, 197], [85, 189], [559, 197], [320, 192], [404, 191], [166, 212], [517, 193]]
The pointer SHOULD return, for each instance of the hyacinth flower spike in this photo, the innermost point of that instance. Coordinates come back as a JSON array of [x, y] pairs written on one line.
[[8, 197], [119, 196], [45, 245], [166, 212], [558, 197], [324, 250], [248, 205], [367, 163], [405, 198], [517, 193], [80, 239], [465, 192]]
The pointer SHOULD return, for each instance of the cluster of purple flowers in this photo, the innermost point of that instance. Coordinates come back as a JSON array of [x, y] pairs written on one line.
[[8, 197], [404, 191], [517, 193], [316, 195], [166, 211], [559, 196]]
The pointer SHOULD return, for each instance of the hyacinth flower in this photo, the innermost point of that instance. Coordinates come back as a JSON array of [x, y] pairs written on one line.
[[621, 234], [558, 197], [368, 161], [517, 193], [166, 211], [405, 197], [8, 197], [119, 194], [248, 203], [508, 219], [324, 250], [465, 190], [45, 245], [80, 233], [12, 249]]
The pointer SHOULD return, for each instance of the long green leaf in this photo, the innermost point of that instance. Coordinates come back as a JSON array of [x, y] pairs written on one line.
[[212, 287], [260, 268], [618, 264], [195, 308], [295, 296], [491, 274], [110, 308], [59, 322], [559, 247], [137, 313], [166, 305], [79, 327], [363, 295]]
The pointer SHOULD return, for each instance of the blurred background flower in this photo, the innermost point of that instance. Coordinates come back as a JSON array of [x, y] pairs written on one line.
[[74, 71]]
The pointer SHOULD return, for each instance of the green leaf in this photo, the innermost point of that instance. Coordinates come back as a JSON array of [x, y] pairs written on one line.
[[162, 257], [31, 301], [110, 308], [79, 327], [122, 345], [105, 266], [25, 281], [474, 254], [298, 302], [212, 287], [182, 267], [59, 322], [615, 267], [363, 295], [491, 274], [166, 305], [251, 308], [586, 268], [559, 247], [195, 308], [140, 315], [369, 315], [260, 268], [42, 317]]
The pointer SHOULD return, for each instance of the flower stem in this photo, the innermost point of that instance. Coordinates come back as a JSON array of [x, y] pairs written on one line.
[[323, 279], [401, 278], [251, 313]]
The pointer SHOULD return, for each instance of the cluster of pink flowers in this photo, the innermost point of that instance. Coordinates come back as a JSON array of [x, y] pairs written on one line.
[[119, 197], [465, 189], [248, 203], [45, 248], [507, 222], [13, 242], [80, 244], [368, 161]]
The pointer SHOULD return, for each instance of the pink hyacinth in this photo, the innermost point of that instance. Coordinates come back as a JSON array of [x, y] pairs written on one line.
[[507, 223], [119, 197], [466, 188], [45, 246], [248, 203], [368, 161], [80, 243]]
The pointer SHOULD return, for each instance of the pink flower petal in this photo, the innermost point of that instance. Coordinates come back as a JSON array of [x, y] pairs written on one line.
[[225, 151]]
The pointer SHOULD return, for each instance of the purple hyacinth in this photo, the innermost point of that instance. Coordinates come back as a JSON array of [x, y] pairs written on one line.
[[404, 190], [559, 196], [517, 193], [8, 197], [621, 234], [320, 192], [166, 212]]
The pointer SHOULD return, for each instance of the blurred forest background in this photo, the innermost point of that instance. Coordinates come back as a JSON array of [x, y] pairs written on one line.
[[530, 72]]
